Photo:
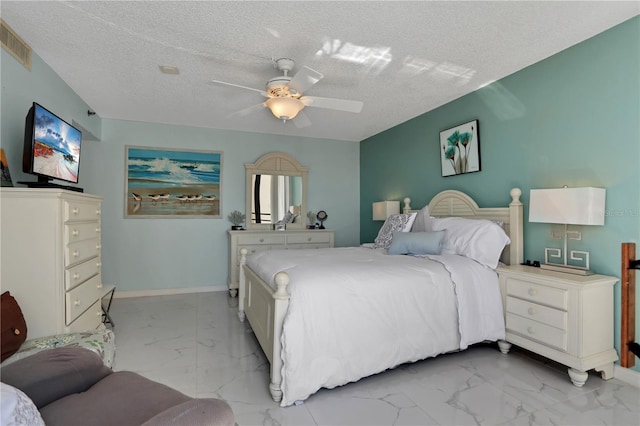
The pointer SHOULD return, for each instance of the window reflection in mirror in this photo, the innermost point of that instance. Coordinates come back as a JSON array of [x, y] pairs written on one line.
[[273, 196]]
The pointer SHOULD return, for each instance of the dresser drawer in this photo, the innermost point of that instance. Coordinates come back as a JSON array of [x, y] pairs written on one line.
[[82, 250], [538, 293], [80, 273], [253, 249], [549, 316], [308, 238], [80, 298], [81, 231], [79, 211], [308, 246], [271, 238], [533, 330], [88, 320]]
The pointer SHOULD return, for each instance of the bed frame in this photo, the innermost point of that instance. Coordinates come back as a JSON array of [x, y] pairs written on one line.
[[265, 308]]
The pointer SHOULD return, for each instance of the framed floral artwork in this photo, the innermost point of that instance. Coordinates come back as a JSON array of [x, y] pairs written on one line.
[[172, 183], [460, 149]]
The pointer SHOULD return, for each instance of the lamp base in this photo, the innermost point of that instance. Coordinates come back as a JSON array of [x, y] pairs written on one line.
[[575, 270]]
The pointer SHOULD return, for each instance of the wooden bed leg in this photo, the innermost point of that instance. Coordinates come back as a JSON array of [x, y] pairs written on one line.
[[281, 299], [276, 392], [504, 346], [242, 283]]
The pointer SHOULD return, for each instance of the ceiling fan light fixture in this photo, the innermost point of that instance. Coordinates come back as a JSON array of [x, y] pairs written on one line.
[[285, 108]]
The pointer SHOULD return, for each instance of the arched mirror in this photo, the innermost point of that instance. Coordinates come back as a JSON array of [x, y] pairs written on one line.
[[276, 192]]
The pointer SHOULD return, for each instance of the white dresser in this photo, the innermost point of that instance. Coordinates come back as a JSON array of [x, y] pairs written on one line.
[[567, 318], [51, 258], [256, 241]]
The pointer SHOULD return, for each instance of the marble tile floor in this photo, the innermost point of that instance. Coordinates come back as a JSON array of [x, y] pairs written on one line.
[[196, 344]]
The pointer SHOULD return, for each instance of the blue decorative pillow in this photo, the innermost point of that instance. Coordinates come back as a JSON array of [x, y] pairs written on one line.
[[416, 242]]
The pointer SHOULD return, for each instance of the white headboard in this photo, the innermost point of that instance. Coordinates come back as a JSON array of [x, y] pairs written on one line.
[[456, 203]]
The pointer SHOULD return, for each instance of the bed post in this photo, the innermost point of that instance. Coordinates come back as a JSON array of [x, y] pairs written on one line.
[[242, 283], [281, 301], [516, 248]]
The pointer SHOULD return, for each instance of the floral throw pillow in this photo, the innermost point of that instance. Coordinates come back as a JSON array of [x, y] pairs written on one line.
[[394, 223]]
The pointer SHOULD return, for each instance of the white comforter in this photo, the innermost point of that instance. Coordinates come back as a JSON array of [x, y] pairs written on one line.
[[357, 311]]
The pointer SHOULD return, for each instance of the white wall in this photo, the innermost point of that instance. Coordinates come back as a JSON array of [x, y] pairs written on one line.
[[157, 254]]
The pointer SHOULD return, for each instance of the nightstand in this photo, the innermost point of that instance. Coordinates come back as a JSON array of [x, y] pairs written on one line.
[[564, 317]]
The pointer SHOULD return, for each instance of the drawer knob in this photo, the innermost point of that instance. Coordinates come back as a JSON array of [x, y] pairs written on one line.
[[532, 311], [76, 302], [98, 230], [98, 246], [76, 253], [98, 313], [262, 240], [531, 330], [98, 265], [75, 232], [76, 276], [309, 239], [99, 286], [97, 212], [75, 211], [533, 292]]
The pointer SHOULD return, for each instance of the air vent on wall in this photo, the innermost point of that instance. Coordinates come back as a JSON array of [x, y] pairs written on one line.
[[15, 45]]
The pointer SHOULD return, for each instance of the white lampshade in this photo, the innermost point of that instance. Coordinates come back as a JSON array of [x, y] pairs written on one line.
[[571, 206], [285, 108], [383, 209]]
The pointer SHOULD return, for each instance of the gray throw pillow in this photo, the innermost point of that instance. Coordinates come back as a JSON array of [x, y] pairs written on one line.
[[54, 373]]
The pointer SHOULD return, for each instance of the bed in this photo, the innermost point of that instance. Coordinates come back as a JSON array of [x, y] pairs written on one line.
[[327, 317]]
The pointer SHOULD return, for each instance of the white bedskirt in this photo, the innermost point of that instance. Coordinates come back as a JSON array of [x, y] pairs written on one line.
[[356, 311]]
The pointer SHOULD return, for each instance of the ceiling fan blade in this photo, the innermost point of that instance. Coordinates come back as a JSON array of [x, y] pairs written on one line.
[[301, 120], [249, 110], [304, 79], [331, 103], [224, 83]]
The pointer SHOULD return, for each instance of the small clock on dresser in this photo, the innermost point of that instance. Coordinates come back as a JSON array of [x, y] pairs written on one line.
[[322, 216]]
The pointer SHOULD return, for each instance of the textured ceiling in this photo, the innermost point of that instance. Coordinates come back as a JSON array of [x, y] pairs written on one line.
[[399, 58]]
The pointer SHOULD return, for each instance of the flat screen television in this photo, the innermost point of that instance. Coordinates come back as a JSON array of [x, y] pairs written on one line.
[[51, 149]]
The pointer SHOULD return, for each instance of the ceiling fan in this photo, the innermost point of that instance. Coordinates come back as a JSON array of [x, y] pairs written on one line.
[[285, 98]]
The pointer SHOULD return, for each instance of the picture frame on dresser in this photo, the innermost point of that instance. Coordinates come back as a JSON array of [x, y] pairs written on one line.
[[172, 183]]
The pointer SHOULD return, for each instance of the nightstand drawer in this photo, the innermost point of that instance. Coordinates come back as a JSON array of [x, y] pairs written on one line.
[[537, 293], [271, 238], [549, 316], [533, 330], [308, 238]]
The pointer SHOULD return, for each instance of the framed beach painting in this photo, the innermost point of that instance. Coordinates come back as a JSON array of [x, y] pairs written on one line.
[[172, 183], [460, 149]]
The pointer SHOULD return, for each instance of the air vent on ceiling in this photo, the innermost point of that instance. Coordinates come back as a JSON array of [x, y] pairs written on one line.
[[15, 45]]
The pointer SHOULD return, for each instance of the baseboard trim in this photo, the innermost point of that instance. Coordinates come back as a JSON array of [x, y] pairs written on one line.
[[627, 375], [123, 294]]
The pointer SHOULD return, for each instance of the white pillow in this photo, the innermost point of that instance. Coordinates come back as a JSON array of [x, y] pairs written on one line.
[[423, 221], [478, 239], [17, 408], [394, 223]]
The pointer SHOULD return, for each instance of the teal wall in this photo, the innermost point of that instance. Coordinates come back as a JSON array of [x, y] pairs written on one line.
[[156, 254], [572, 119]]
